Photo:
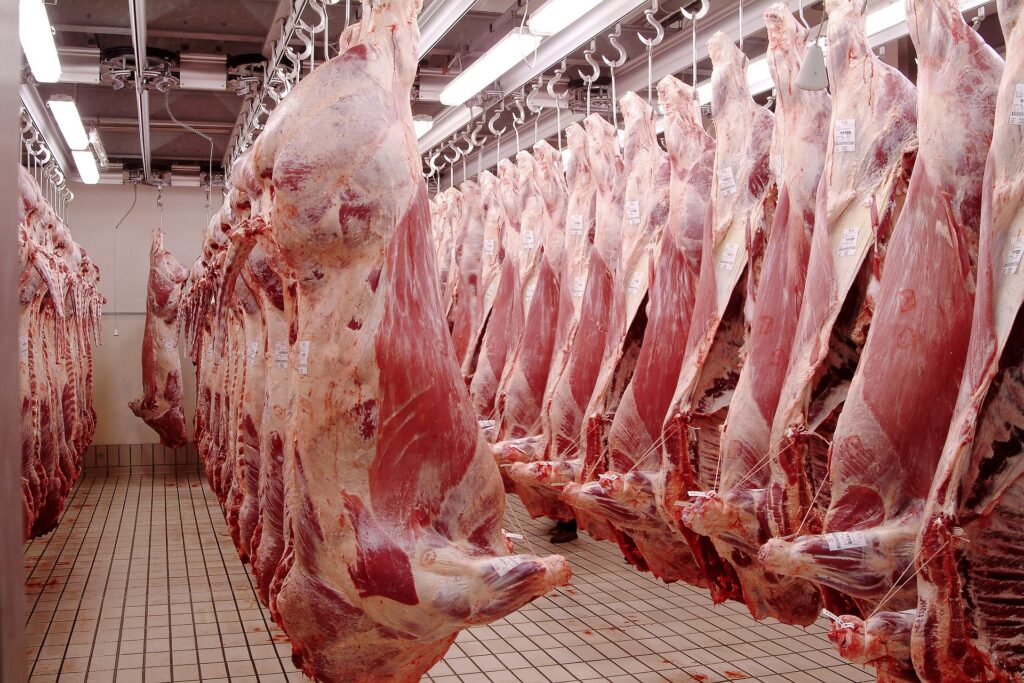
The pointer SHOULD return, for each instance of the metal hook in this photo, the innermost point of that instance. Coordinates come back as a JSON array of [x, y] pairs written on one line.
[[659, 30], [469, 144], [692, 17], [451, 145], [559, 72], [976, 21], [588, 55], [475, 138], [613, 38], [800, 12], [518, 118], [534, 109], [433, 162], [493, 119], [705, 6]]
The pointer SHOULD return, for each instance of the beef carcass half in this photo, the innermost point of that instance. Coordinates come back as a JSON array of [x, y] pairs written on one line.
[[735, 517], [970, 617], [738, 216], [492, 255], [505, 323], [469, 245], [393, 503], [161, 403], [542, 232], [867, 164], [623, 494], [890, 434]]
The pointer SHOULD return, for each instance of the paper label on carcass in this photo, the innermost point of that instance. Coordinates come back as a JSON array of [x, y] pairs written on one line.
[[1013, 256], [489, 247], [635, 281], [726, 182], [700, 494], [633, 213], [209, 350], [515, 537], [303, 357], [503, 565], [252, 350], [280, 355], [169, 344], [579, 284], [530, 290], [1017, 108], [529, 239], [23, 346], [486, 424], [839, 622], [576, 224], [729, 252], [848, 242], [846, 135], [492, 290], [846, 539]]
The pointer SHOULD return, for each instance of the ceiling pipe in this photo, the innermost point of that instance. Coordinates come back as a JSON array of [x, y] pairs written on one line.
[[137, 17], [437, 18]]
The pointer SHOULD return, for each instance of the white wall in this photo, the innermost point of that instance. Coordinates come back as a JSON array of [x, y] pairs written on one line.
[[118, 364]]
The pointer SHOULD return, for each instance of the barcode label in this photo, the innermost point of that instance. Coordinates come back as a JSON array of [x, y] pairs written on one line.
[[280, 355], [633, 213], [576, 224], [579, 284], [729, 252], [489, 247], [516, 537], [846, 135], [254, 348], [492, 290], [838, 622], [846, 539], [169, 344], [23, 346], [1017, 108], [726, 182], [700, 494], [530, 290], [529, 239], [848, 242], [503, 565], [635, 281], [1013, 256], [303, 357]]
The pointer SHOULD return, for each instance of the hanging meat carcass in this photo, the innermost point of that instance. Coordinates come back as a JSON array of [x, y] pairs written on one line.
[[623, 494], [161, 403], [738, 217], [890, 434], [969, 618], [469, 243], [735, 517], [392, 503]]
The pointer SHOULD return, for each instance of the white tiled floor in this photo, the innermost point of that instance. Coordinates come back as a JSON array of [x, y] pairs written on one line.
[[142, 583]]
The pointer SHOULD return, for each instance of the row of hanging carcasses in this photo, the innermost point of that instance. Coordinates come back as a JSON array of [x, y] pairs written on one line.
[[740, 359], [58, 323]]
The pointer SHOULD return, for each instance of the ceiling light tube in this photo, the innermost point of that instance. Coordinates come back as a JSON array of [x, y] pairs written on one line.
[[423, 124], [557, 15], [36, 36], [69, 122], [508, 52], [86, 164]]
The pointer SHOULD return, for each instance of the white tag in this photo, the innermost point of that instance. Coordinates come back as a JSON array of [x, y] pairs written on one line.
[[530, 290], [633, 213], [280, 355], [516, 537], [23, 346], [846, 135], [839, 622], [254, 348], [303, 357], [169, 344], [489, 247], [579, 284], [848, 242], [503, 565], [846, 539], [729, 252], [701, 494], [726, 182], [1017, 108], [1013, 256], [911, 612], [635, 281], [492, 290], [576, 224], [209, 350], [529, 239], [486, 424]]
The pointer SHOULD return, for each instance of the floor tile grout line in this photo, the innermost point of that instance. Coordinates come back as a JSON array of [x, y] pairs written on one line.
[[149, 561], [128, 573], [167, 562], [110, 569], [49, 576]]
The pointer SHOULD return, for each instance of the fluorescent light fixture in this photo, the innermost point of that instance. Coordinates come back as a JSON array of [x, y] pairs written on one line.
[[890, 15], [70, 123], [494, 63], [437, 18], [36, 36], [98, 148], [86, 164], [423, 124], [556, 15]]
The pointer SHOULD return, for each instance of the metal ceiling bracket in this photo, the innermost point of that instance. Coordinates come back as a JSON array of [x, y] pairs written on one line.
[[137, 17]]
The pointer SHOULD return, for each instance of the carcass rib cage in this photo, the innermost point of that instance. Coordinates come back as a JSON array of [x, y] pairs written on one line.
[[59, 322]]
